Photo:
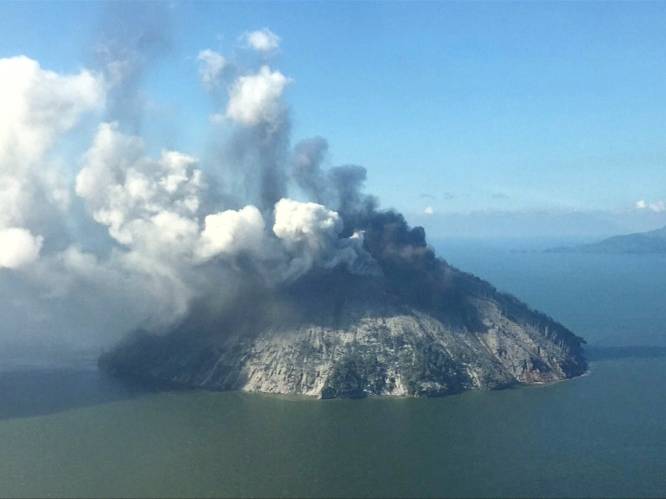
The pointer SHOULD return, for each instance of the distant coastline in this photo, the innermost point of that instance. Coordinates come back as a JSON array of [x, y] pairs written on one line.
[[651, 242]]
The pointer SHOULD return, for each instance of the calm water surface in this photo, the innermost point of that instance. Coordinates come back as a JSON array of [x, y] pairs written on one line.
[[78, 433]]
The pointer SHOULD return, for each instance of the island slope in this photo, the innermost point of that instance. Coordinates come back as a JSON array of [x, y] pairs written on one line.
[[333, 334]]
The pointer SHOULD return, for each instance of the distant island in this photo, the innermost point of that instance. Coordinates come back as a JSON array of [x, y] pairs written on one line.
[[653, 241]]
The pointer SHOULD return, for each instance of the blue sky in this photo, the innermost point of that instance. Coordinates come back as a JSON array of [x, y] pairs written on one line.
[[464, 107]]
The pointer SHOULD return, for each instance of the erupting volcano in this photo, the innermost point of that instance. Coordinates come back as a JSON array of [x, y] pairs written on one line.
[[302, 284], [409, 325], [260, 266]]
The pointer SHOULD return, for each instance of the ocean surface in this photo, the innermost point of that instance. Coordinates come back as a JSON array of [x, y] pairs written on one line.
[[75, 432]]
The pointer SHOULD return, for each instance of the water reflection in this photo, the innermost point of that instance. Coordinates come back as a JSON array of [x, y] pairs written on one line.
[[35, 392]]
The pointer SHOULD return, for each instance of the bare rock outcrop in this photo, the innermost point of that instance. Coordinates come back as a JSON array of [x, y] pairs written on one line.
[[337, 335]]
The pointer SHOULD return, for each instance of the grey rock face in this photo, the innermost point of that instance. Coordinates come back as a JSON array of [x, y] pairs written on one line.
[[336, 335]]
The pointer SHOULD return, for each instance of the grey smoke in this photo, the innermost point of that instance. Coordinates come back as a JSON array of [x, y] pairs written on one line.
[[340, 187], [151, 240], [130, 42], [306, 167], [259, 155]]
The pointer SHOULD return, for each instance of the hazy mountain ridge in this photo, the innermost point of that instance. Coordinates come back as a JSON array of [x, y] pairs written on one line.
[[653, 241]]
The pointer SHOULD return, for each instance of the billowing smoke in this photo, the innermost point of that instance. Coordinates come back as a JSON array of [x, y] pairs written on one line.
[[115, 237], [340, 187]]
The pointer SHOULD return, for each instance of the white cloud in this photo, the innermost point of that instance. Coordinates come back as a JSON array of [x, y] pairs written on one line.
[[212, 64], [658, 206], [428, 210], [655, 206], [18, 247], [263, 40], [254, 99]]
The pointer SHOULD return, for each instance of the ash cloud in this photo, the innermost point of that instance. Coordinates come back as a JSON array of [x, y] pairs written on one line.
[[174, 235], [340, 187], [129, 44]]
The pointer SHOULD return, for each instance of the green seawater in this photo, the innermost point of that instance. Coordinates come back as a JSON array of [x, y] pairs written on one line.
[[79, 433]]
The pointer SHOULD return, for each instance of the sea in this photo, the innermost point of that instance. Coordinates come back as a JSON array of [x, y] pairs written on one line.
[[73, 431]]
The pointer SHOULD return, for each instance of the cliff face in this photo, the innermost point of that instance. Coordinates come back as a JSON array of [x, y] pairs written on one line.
[[338, 335]]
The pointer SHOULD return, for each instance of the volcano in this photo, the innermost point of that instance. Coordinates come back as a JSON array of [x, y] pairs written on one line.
[[411, 325]]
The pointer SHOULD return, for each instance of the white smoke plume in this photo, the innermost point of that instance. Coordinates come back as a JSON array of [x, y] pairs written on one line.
[[311, 234], [255, 98], [123, 238], [38, 108], [232, 232], [19, 247]]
